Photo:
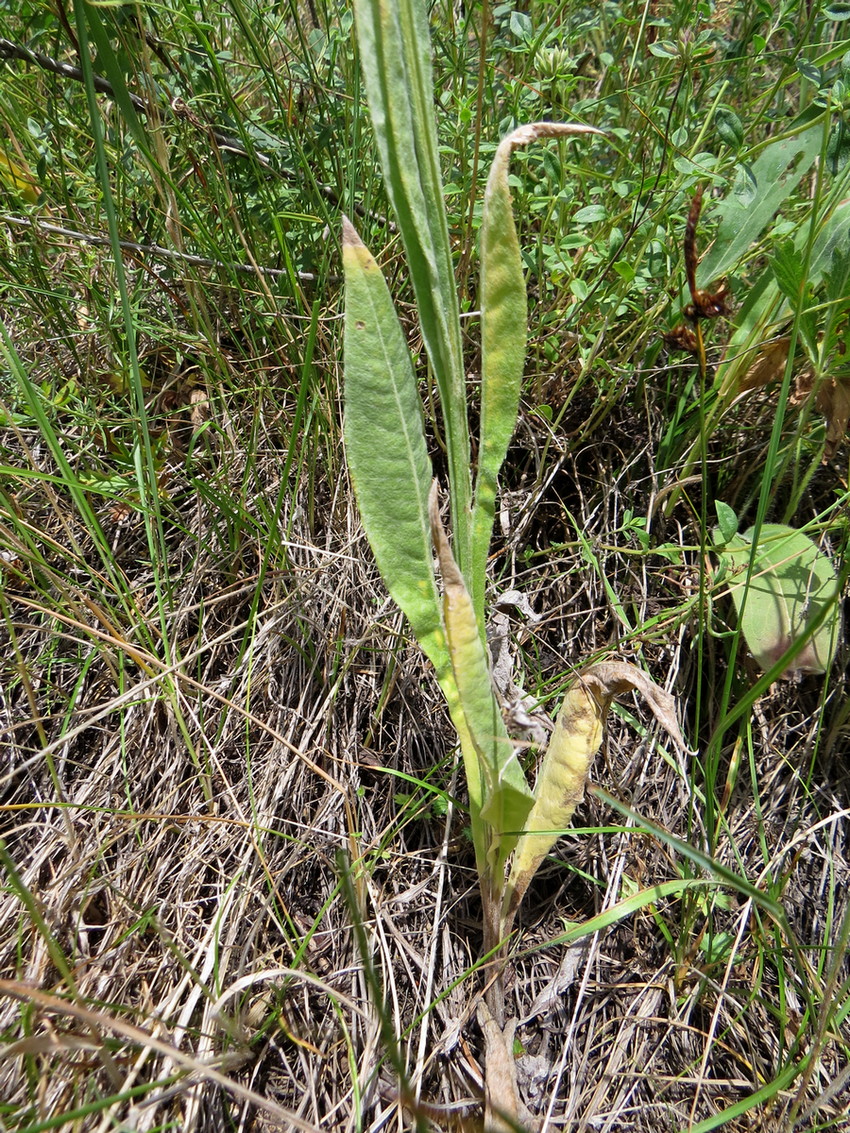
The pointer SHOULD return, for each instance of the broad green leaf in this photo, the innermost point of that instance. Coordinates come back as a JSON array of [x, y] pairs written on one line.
[[521, 26], [727, 520], [787, 267], [756, 196], [506, 795], [504, 319], [838, 147], [395, 56], [385, 444], [590, 214], [837, 278], [790, 598], [833, 237], [729, 127]]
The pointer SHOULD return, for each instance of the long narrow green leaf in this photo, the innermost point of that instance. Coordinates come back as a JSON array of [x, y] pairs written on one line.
[[385, 442], [115, 75], [504, 321], [759, 191], [395, 56]]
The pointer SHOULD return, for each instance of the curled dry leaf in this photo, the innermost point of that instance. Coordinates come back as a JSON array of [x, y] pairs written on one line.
[[681, 337], [504, 1111], [832, 399], [707, 303], [769, 365], [563, 771]]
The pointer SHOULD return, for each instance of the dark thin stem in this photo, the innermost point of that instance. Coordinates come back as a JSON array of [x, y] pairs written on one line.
[[133, 248], [176, 110]]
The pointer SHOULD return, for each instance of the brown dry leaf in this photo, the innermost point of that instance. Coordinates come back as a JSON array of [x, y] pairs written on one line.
[[833, 401], [199, 400], [619, 677], [769, 365], [803, 385], [681, 337]]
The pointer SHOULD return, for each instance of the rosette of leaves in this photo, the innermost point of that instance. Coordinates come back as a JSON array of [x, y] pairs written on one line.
[[513, 826]]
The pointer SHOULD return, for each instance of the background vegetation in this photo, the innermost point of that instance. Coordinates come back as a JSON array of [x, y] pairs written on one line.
[[206, 697]]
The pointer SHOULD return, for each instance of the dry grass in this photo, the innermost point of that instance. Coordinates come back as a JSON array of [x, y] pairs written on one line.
[[178, 858], [239, 892]]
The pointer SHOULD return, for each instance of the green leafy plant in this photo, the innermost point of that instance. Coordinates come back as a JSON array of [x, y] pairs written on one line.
[[785, 593], [513, 827], [799, 293]]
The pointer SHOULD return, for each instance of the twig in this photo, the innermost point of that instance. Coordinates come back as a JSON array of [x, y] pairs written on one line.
[[9, 50], [133, 248]]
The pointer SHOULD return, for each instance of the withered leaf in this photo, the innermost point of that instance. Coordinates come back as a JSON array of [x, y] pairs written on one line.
[[705, 304], [833, 401], [681, 337], [769, 365]]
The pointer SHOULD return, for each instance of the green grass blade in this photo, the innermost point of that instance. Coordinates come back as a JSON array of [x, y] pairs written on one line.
[[107, 57], [385, 442], [88, 23], [718, 873], [395, 56]]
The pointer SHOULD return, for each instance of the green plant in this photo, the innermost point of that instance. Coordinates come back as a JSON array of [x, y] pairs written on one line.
[[512, 827], [798, 294], [187, 739], [785, 594]]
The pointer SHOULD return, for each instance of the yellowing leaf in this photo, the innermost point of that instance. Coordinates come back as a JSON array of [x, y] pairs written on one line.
[[505, 793], [19, 178], [563, 771]]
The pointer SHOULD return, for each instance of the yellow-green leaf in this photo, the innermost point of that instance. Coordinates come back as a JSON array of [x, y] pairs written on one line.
[[20, 179], [506, 796], [789, 600], [565, 765], [503, 336]]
